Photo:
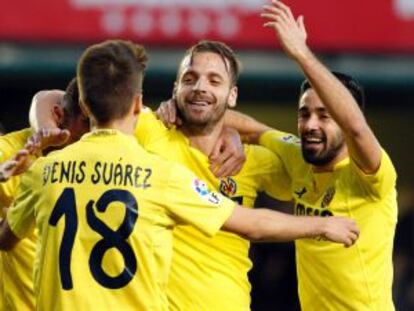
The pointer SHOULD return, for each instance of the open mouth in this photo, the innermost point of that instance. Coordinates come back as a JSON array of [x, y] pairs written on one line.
[[200, 103], [311, 141]]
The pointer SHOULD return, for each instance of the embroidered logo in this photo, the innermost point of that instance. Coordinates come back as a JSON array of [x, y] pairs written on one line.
[[228, 187]]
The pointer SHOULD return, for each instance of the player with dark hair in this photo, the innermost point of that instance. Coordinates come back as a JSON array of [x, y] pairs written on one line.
[[336, 167]]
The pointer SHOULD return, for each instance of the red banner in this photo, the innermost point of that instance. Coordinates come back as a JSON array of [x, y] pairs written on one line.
[[353, 25]]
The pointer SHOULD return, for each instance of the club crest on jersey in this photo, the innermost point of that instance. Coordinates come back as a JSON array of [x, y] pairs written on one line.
[[328, 197], [228, 187], [201, 188]]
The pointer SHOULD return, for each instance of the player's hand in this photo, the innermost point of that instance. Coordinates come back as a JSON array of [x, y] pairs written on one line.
[[167, 113], [291, 33], [17, 165], [341, 230], [228, 155], [45, 138]]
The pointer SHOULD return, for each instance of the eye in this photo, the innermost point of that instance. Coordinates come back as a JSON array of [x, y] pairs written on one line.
[[215, 82], [188, 79]]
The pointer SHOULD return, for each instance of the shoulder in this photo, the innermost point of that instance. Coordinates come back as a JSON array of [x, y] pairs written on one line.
[[278, 141], [259, 156], [12, 142], [379, 184]]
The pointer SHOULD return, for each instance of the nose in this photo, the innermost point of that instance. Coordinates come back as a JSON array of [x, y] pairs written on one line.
[[200, 85], [311, 123]]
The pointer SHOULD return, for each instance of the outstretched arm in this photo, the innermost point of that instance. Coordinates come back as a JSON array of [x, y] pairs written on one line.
[[362, 144], [272, 226]]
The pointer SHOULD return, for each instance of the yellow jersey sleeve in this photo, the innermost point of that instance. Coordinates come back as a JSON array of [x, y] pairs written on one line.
[[149, 129], [271, 173], [190, 201], [279, 142], [12, 142], [21, 216], [381, 183], [9, 145]]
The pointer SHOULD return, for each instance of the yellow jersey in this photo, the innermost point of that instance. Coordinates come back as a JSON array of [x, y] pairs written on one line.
[[330, 276], [16, 288], [211, 273], [105, 209]]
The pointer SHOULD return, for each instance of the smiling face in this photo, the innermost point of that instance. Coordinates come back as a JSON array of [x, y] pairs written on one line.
[[204, 90], [322, 140]]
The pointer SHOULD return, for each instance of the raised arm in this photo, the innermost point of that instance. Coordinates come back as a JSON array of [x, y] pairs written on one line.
[[273, 226], [363, 146]]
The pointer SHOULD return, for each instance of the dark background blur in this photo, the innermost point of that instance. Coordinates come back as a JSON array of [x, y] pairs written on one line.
[[40, 43]]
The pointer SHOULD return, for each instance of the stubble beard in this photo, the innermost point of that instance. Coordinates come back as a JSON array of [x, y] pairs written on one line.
[[201, 126], [323, 158]]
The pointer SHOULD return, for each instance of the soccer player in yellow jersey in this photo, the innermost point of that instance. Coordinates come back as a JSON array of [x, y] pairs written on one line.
[[209, 273], [336, 167], [104, 208], [17, 285]]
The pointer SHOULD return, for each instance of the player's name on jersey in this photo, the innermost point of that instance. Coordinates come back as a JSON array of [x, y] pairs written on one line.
[[115, 174]]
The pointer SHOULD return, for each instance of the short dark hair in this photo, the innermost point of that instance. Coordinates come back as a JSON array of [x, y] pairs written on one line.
[[232, 63], [70, 102], [349, 82], [109, 75]]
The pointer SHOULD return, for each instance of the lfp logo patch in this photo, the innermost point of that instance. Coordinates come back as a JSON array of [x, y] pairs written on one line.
[[291, 139], [201, 188]]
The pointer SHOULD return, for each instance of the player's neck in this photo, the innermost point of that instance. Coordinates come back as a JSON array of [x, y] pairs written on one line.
[[204, 140], [124, 125]]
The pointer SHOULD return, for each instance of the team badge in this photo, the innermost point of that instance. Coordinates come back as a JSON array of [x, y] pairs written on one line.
[[201, 188], [328, 197], [228, 187]]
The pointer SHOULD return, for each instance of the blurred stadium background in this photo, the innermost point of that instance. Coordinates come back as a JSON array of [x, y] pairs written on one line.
[[40, 42]]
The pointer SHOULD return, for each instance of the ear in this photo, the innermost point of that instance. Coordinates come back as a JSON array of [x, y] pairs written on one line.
[[137, 106], [58, 114], [232, 102]]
